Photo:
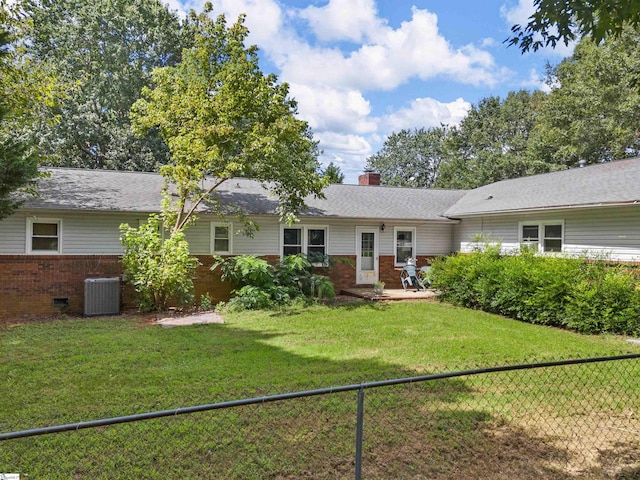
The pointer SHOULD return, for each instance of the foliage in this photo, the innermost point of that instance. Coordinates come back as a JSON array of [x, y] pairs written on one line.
[[565, 21], [492, 142], [18, 159], [205, 302], [221, 117], [161, 270], [606, 300], [411, 158], [593, 110], [100, 55], [589, 297], [260, 285], [333, 174]]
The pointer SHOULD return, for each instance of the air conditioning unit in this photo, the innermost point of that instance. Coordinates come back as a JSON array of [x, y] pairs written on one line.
[[101, 296]]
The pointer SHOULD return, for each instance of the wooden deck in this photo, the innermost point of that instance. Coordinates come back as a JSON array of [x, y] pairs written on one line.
[[390, 294]]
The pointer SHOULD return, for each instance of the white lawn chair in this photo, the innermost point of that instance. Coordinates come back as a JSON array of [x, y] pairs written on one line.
[[409, 278]]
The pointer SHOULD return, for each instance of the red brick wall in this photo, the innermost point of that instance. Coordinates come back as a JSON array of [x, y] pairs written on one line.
[[390, 275], [29, 283]]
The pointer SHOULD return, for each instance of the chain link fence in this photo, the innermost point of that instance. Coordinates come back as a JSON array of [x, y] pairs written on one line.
[[573, 419]]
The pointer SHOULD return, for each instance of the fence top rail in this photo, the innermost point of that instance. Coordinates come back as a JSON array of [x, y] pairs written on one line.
[[300, 394]]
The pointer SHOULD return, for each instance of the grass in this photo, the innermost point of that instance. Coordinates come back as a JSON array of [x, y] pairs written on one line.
[[74, 370]]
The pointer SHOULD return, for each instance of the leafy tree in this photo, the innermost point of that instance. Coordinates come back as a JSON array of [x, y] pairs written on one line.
[[160, 269], [565, 21], [333, 174], [411, 158], [101, 54], [221, 117], [491, 143], [593, 111], [18, 162]]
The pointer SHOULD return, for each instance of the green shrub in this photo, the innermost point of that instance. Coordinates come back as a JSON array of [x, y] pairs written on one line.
[[589, 297], [260, 285], [245, 270], [159, 270], [205, 302], [606, 303]]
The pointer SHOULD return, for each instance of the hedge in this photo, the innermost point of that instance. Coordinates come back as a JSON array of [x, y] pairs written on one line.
[[575, 293]]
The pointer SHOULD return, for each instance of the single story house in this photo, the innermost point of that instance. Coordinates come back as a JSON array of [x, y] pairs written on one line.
[[70, 233]]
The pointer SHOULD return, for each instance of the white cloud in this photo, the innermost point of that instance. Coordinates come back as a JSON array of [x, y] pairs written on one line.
[[518, 14], [343, 20], [427, 112], [390, 58], [536, 81], [264, 18], [327, 108], [344, 143], [488, 42]]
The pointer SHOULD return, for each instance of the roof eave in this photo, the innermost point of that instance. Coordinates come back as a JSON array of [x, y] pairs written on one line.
[[544, 208]]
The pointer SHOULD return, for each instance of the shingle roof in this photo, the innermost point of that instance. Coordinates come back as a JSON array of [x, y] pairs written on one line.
[[106, 190], [603, 184]]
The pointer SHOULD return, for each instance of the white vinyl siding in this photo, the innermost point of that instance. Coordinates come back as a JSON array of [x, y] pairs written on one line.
[[95, 234], [13, 240], [431, 238], [265, 241], [603, 232], [198, 236]]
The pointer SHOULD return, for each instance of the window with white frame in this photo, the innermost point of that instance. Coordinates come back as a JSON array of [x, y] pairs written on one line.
[[221, 238], [292, 241], [544, 236], [309, 240], [44, 235], [405, 244], [317, 245]]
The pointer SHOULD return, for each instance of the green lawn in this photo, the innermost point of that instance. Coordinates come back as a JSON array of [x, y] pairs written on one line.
[[82, 369]]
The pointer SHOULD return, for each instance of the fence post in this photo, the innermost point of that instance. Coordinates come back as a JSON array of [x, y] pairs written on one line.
[[359, 428]]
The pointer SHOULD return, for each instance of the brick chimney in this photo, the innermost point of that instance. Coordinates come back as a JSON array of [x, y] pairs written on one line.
[[369, 178]]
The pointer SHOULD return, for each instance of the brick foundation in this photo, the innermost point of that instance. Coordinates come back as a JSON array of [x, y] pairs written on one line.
[[29, 283]]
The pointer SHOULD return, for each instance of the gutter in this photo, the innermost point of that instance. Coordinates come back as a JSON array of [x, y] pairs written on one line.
[[545, 208]]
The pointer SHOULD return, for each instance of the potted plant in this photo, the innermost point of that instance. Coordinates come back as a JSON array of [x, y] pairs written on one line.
[[378, 288]]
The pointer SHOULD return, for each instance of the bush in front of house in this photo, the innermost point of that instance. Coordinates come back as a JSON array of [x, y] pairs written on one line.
[[160, 270], [260, 285], [574, 293]]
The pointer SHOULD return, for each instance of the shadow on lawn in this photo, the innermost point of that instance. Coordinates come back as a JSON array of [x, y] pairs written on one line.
[[422, 430]]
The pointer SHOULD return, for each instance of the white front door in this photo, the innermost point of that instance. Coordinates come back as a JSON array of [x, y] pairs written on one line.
[[367, 255]]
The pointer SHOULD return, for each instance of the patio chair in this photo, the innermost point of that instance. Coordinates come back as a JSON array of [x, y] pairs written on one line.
[[408, 276], [425, 276]]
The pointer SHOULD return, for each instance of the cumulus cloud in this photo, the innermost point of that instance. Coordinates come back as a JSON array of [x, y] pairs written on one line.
[[327, 108], [536, 81], [426, 112], [343, 20], [390, 58]]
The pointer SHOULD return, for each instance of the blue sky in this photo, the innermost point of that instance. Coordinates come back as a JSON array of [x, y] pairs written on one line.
[[362, 69]]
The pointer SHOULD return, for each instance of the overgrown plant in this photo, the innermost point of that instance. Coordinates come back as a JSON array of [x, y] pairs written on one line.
[[577, 293], [160, 270], [260, 285]]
